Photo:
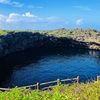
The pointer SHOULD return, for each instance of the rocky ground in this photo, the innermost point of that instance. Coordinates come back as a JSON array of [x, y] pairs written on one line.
[[78, 38]]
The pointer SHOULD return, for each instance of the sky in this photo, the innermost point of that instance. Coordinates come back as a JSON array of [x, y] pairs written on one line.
[[49, 14]]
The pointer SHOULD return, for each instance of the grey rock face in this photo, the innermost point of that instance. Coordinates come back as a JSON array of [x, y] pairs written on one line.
[[19, 41]]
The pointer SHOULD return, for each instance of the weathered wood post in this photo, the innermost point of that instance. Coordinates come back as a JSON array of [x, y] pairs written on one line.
[[98, 78], [77, 79], [58, 81], [16, 86], [37, 86], [8, 89]]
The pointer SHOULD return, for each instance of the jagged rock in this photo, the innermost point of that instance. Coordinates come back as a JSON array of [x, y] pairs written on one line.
[[18, 41]]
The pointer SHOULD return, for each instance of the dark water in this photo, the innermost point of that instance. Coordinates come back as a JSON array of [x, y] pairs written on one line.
[[31, 66]]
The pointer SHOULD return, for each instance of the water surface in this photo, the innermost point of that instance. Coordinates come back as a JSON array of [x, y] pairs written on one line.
[[46, 65]]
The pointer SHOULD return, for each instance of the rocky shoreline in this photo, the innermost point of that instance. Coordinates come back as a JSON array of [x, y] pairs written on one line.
[[18, 41]]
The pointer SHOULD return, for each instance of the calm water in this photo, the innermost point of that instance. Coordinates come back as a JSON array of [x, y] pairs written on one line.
[[46, 65]]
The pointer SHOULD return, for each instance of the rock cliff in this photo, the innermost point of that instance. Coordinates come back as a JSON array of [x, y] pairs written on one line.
[[18, 41]]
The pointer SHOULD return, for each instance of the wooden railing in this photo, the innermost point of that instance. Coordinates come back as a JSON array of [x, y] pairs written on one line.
[[98, 78], [37, 86]]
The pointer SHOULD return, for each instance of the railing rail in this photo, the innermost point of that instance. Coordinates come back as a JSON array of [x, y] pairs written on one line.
[[5, 89], [38, 85]]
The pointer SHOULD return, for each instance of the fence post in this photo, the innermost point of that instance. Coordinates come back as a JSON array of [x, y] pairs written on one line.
[[8, 89], [58, 81], [98, 78], [16, 86], [37, 86], [77, 79]]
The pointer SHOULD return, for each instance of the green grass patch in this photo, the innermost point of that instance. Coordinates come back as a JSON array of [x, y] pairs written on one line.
[[88, 91], [58, 33]]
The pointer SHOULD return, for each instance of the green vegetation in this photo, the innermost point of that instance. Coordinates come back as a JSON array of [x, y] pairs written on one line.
[[5, 32], [86, 35], [89, 91], [59, 32]]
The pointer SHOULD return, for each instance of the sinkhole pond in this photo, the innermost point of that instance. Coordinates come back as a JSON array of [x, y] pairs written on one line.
[[43, 65]]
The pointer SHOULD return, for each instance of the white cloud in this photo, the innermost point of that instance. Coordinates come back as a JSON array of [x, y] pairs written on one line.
[[12, 15], [85, 8], [2, 17], [14, 3], [28, 17], [4, 1], [29, 20], [79, 21], [17, 18], [17, 4], [12, 18], [28, 14]]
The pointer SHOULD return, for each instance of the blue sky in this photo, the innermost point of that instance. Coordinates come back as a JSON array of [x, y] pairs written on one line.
[[49, 14]]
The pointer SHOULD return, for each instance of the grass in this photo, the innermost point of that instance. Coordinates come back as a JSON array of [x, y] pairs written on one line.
[[5, 32], [88, 91], [59, 32]]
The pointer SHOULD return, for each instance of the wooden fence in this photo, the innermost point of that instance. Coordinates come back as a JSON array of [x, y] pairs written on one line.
[[37, 86]]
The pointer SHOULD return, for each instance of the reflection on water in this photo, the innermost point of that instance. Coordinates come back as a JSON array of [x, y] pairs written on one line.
[[94, 53], [33, 66]]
